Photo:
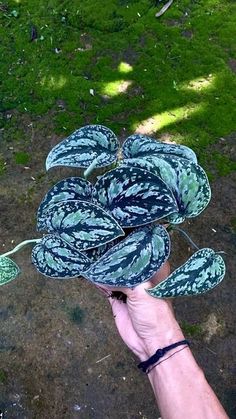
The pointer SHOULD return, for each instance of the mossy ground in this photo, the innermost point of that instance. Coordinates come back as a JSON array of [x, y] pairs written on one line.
[[120, 66], [191, 330]]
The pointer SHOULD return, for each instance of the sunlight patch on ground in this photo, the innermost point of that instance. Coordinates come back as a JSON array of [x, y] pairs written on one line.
[[158, 121], [200, 83], [125, 67], [53, 82], [114, 88]]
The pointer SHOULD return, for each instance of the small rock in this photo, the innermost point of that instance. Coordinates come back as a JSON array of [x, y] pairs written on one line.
[[187, 33]]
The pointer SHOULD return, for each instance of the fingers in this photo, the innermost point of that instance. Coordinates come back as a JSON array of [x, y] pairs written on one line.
[[139, 290], [117, 307], [116, 304]]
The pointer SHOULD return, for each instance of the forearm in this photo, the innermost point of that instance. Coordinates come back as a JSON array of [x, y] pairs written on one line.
[[181, 389]]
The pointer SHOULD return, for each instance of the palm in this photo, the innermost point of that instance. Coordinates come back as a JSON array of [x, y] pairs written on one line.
[[136, 319], [125, 327]]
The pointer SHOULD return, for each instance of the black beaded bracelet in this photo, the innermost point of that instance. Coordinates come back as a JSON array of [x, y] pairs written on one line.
[[145, 365]]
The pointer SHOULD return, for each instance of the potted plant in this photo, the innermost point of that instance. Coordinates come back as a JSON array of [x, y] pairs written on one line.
[[116, 231]]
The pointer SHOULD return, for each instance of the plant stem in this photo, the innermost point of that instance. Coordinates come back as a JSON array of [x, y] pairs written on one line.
[[92, 166], [186, 236], [19, 246]]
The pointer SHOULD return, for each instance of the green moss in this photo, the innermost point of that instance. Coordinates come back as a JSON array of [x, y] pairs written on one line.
[[3, 376], [21, 157], [224, 164], [191, 330], [141, 69], [2, 165], [76, 314], [217, 163]]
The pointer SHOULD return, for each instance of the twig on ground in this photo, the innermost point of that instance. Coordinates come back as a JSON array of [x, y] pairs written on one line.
[[210, 350], [102, 359], [164, 8]]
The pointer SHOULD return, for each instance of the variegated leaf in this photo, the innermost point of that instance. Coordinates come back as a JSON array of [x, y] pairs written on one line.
[[202, 272], [53, 257], [75, 188], [141, 145], [83, 146], [134, 260], [8, 270], [134, 196], [81, 224], [187, 181], [98, 252]]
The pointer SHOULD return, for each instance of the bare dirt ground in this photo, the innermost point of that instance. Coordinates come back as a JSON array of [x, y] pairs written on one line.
[[60, 355]]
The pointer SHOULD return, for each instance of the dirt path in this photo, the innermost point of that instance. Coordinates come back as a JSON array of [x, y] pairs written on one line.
[[54, 335]]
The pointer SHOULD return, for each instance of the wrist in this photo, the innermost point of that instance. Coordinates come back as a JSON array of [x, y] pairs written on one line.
[[161, 339], [160, 355]]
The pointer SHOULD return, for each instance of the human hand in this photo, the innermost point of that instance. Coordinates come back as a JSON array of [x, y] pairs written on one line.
[[145, 323]]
